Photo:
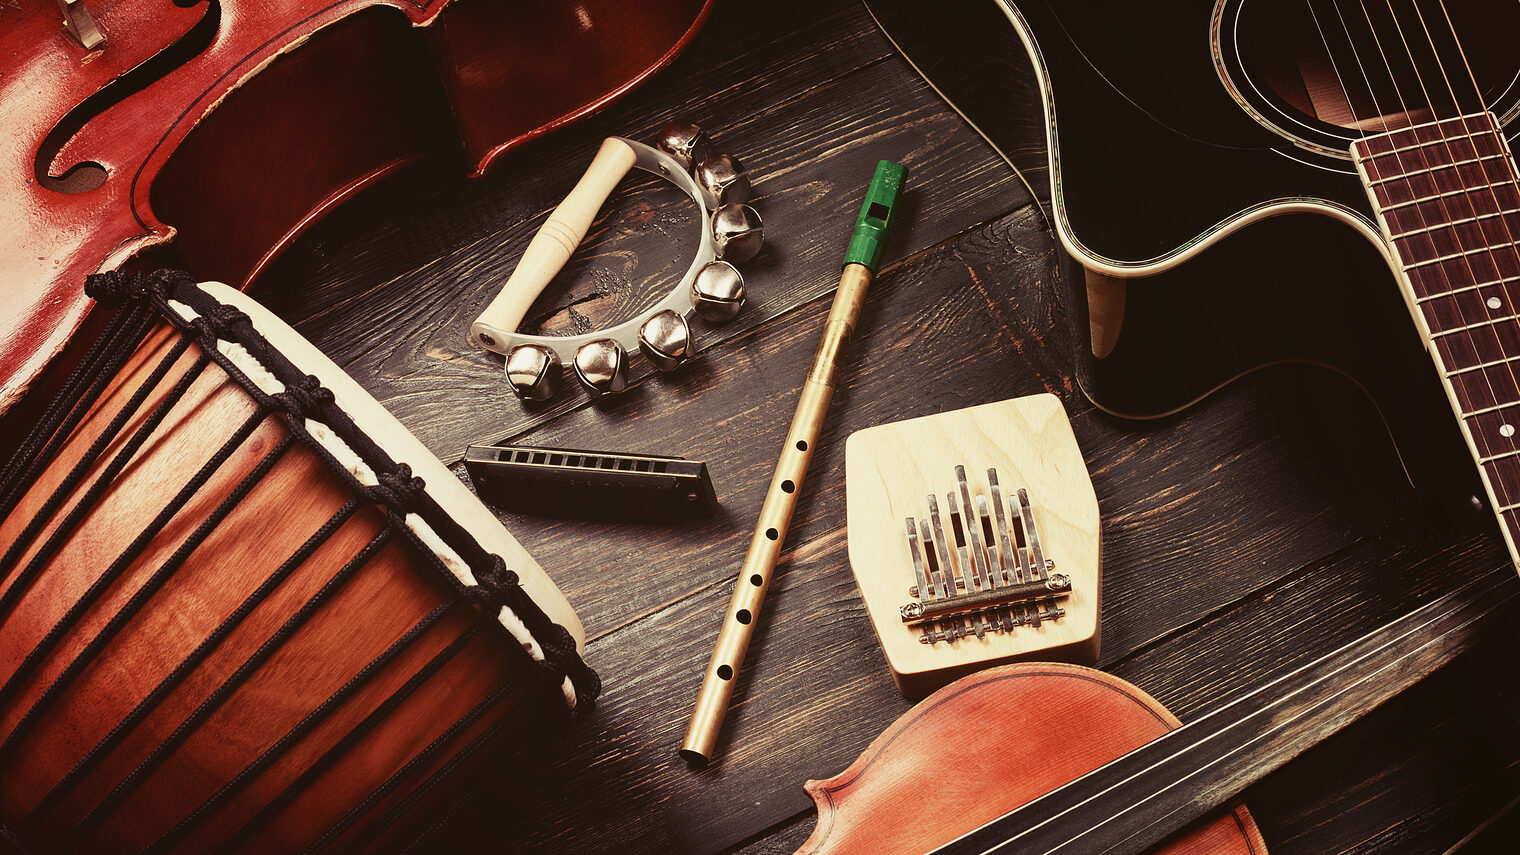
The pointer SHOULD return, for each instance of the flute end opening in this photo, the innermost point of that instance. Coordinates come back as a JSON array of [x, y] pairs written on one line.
[[694, 759]]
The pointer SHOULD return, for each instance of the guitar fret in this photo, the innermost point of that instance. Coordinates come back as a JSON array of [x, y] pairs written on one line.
[[1505, 361], [1419, 145], [1495, 408], [1440, 258], [1507, 280], [1495, 430], [1454, 223], [1449, 193], [1428, 168], [1502, 456], [1484, 386], [1491, 322], [1487, 127]]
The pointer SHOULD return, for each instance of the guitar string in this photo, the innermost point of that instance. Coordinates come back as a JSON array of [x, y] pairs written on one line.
[[1419, 147], [1507, 307], [1393, 80], [1464, 118], [1501, 490], [1510, 178], [1382, 118]]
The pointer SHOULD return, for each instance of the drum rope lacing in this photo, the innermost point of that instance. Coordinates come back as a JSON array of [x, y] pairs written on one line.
[[395, 489]]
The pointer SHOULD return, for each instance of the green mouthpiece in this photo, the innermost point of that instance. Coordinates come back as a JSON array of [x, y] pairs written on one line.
[[875, 215]]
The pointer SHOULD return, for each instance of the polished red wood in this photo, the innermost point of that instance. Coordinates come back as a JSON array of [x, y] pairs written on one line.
[[228, 127], [987, 744], [387, 595]]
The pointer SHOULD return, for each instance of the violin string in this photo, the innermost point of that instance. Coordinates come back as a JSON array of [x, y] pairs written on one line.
[[1435, 615]]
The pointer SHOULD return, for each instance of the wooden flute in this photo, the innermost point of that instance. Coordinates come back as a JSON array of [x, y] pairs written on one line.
[[801, 438]]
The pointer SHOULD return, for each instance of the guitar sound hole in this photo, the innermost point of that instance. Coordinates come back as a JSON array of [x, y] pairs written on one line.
[[1309, 67]]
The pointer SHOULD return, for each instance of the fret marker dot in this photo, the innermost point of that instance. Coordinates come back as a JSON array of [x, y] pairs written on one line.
[[1494, 302], [1506, 430]]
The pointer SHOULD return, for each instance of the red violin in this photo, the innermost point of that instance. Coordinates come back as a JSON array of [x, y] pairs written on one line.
[[226, 127]]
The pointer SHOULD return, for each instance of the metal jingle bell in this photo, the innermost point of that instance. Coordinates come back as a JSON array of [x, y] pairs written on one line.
[[533, 372], [723, 181], [685, 142], [666, 339], [718, 291], [737, 232], [601, 366]]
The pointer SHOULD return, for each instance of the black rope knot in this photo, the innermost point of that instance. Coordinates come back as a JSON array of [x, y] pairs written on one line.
[[495, 585], [398, 488], [114, 288], [218, 320], [304, 396]]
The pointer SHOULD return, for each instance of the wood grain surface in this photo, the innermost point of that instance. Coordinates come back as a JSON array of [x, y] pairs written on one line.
[[1239, 539]]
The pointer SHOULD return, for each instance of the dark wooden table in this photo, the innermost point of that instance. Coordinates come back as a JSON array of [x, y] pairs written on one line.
[[1241, 538]]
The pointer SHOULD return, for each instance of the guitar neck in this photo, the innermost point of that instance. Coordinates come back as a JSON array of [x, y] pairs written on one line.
[[1447, 198]]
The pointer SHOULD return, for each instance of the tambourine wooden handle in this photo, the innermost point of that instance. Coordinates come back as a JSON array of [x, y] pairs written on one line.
[[555, 242]]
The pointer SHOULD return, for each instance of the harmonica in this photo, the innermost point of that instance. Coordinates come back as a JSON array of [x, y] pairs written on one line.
[[593, 485]]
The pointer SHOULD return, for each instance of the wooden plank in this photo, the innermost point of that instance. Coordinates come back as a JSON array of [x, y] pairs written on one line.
[[400, 328]]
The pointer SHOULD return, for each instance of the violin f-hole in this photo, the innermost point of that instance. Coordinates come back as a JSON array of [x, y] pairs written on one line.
[[87, 175]]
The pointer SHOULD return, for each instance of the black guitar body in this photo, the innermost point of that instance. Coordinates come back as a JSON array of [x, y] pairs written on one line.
[[1236, 246]]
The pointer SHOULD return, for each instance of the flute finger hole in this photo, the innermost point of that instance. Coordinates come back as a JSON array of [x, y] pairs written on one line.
[[788, 487], [772, 533], [802, 445], [725, 672], [743, 615], [756, 580]]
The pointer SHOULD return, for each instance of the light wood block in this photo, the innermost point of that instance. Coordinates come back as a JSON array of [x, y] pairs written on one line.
[[890, 471]]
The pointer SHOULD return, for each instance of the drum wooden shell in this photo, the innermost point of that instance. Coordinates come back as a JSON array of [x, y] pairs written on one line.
[[335, 700]]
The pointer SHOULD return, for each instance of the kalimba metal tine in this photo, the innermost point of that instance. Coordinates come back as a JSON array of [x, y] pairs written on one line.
[[918, 561], [942, 549], [973, 533], [1036, 554], [927, 539], [1013, 570]]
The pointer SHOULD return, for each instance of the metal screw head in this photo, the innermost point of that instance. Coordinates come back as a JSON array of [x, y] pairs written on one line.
[[534, 372], [737, 232], [685, 142], [718, 291], [601, 366], [723, 180], [666, 339]]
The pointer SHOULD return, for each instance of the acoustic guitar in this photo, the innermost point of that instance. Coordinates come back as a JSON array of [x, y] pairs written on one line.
[[1248, 183]]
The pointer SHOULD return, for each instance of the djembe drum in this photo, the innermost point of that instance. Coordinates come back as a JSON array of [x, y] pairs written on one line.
[[243, 610]]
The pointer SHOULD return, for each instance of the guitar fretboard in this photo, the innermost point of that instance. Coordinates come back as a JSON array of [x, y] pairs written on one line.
[[1447, 198]]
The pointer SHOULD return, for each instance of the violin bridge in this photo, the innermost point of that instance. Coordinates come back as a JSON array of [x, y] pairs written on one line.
[[987, 572]]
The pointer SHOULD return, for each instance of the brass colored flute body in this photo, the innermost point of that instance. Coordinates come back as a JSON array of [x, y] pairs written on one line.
[[781, 498], [775, 517]]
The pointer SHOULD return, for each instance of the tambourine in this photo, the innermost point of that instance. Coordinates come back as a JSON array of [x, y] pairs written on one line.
[[712, 287]]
